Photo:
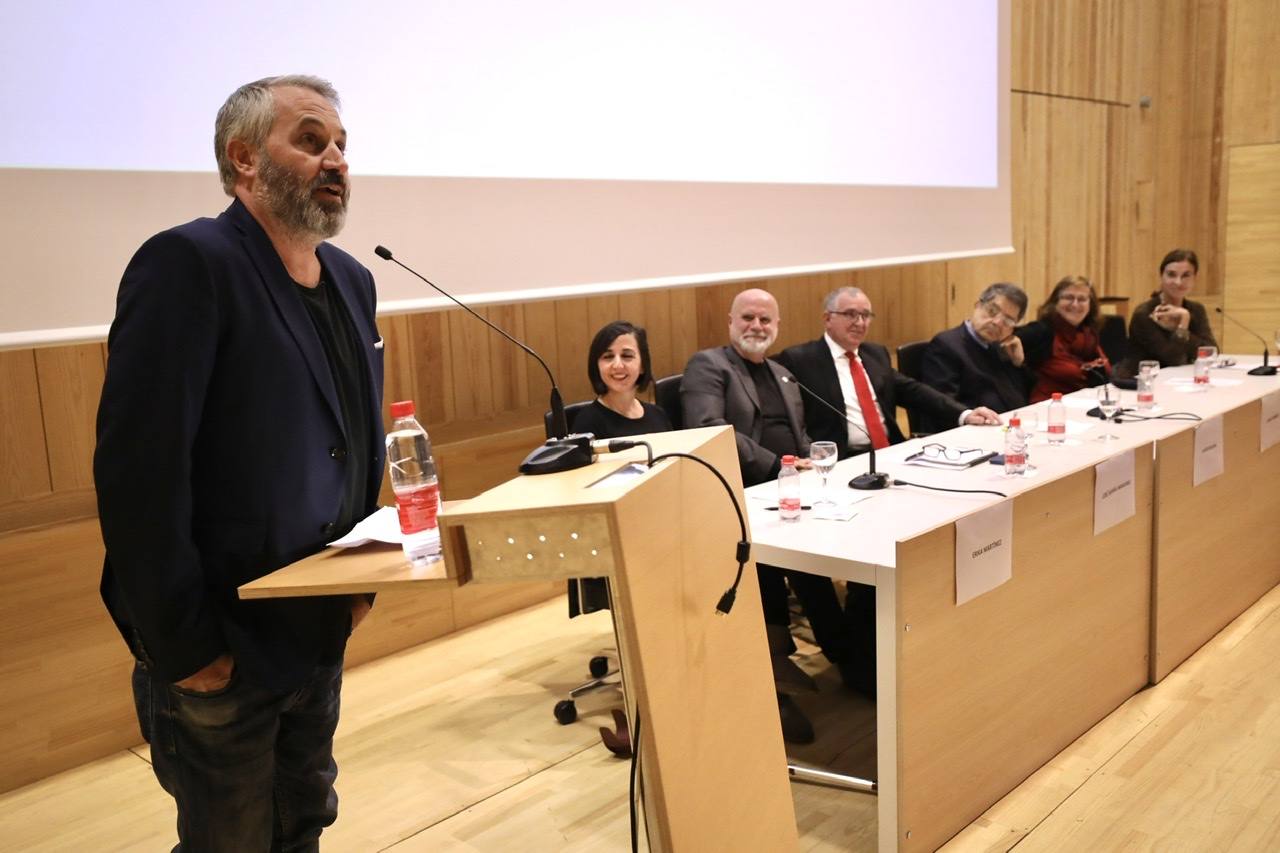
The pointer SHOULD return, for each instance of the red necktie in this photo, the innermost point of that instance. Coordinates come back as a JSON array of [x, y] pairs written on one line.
[[870, 414]]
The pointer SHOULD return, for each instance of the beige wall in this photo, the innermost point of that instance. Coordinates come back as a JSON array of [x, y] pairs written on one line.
[[1101, 187]]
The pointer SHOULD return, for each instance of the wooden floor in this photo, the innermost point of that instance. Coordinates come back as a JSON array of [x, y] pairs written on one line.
[[452, 746]]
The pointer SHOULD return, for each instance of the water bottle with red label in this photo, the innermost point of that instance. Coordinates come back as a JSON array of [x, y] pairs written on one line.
[[1057, 419], [789, 490], [413, 479], [1205, 357]]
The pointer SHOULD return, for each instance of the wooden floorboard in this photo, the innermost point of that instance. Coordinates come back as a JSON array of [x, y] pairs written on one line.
[[451, 746]]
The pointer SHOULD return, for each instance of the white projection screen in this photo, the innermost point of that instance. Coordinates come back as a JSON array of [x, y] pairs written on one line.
[[515, 151]]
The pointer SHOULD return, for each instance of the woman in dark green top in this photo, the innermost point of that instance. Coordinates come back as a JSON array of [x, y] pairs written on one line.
[[1169, 327]]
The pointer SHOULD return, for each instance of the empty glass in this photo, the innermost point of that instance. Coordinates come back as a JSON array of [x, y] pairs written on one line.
[[823, 456], [1108, 404]]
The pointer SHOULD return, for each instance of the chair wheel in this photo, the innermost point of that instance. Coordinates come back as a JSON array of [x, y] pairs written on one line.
[[566, 712], [599, 666]]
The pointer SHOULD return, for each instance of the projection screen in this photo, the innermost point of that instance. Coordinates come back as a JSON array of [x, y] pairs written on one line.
[[517, 151]]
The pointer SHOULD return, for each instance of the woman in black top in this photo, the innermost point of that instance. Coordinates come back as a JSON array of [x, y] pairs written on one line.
[[1169, 327], [618, 366]]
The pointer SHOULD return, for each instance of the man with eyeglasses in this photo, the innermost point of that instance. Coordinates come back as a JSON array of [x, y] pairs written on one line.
[[857, 377], [981, 361]]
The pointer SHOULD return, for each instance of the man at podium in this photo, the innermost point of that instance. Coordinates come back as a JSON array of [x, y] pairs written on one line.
[[240, 429]]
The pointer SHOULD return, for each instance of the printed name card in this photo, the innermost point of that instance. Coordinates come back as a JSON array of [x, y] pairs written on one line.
[[984, 551], [1114, 496], [1209, 461], [1270, 421]]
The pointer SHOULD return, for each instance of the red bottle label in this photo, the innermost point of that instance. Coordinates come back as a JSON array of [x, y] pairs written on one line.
[[789, 504], [1057, 429], [1147, 397], [1015, 458], [418, 508]]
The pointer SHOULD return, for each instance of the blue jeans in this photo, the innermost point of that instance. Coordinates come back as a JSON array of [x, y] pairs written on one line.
[[251, 769]]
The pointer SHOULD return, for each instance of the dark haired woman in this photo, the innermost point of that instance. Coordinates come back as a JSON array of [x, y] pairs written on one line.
[[618, 366], [1169, 327], [1062, 345]]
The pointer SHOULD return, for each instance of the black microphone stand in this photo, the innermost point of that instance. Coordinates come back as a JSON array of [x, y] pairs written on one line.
[[561, 452], [1266, 369], [870, 481]]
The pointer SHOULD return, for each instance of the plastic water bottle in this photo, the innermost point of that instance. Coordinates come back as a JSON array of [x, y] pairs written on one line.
[[1146, 389], [789, 490], [1057, 420], [1204, 360], [413, 479], [1015, 447]]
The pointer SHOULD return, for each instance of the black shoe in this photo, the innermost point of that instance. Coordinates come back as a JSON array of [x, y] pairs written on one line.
[[796, 727], [859, 677]]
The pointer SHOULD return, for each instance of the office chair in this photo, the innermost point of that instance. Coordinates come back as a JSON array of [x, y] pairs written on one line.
[[666, 393], [1114, 339], [910, 359], [586, 595]]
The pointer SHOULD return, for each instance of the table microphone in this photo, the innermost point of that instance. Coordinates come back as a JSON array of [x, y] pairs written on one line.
[[561, 452], [1266, 369], [869, 481]]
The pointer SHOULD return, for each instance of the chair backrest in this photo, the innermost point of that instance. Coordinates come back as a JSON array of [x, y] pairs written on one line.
[[570, 415], [1114, 338], [910, 358], [666, 391]]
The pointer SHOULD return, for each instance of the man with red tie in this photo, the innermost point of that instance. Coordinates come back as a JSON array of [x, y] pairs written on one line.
[[857, 377]]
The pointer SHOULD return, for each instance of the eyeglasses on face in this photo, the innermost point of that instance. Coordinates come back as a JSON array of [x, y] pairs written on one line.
[[855, 316], [1073, 297], [993, 312]]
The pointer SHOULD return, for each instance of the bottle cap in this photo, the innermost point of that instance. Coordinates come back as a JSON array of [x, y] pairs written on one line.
[[788, 460], [1015, 421], [402, 409], [1057, 396]]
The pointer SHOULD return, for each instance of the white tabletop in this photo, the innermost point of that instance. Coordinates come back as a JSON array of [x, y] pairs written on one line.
[[853, 549]]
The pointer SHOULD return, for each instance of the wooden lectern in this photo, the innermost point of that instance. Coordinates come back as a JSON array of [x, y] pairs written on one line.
[[711, 751]]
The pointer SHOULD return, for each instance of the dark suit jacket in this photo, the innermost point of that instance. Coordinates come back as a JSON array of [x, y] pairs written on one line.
[[958, 366], [813, 365], [221, 450], [717, 389]]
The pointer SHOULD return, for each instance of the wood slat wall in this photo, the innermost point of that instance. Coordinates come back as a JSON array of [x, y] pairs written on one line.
[[1101, 187]]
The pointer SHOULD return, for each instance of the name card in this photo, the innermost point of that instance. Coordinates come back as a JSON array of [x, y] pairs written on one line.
[[1209, 461], [1114, 495], [984, 551], [1270, 421]]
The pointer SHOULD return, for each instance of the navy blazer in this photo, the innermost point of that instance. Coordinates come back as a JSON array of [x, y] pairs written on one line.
[[221, 450], [958, 366], [813, 365]]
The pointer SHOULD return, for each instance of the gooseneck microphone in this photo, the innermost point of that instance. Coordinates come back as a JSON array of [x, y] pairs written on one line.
[[561, 452], [1266, 369], [869, 481]]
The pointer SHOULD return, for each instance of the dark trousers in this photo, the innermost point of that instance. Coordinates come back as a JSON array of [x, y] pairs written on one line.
[[251, 769], [817, 595]]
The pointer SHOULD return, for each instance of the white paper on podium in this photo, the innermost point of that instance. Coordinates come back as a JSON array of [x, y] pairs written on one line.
[[1270, 429], [1114, 495], [382, 526], [1209, 459], [984, 551]]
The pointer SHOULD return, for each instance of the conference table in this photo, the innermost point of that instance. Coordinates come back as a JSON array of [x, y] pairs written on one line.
[[1007, 626]]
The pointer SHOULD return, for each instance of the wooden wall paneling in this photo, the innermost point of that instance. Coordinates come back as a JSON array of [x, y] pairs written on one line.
[[433, 378], [909, 302], [573, 338], [24, 458], [509, 365], [712, 303], [1252, 254], [1072, 48], [542, 336], [65, 669], [470, 364], [654, 306], [684, 326], [70, 380], [1252, 98]]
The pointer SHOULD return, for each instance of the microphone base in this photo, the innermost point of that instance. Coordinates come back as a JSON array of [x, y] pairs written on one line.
[[1264, 370], [870, 482], [559, 454]]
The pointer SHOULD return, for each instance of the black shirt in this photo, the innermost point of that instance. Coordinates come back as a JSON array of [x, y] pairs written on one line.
[[350, 378], [604, 422], [777, 434]]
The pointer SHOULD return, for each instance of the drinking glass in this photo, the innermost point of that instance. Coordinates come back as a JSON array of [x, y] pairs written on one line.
[[1108, 404], [823, 456], [1151, 366]]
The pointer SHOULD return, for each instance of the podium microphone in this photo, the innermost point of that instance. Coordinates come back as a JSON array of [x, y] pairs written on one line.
[[561, 452], [869, 481], [1266, 369]]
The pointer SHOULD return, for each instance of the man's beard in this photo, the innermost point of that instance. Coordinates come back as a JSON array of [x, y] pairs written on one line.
[[290, 199], [754, 346]]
